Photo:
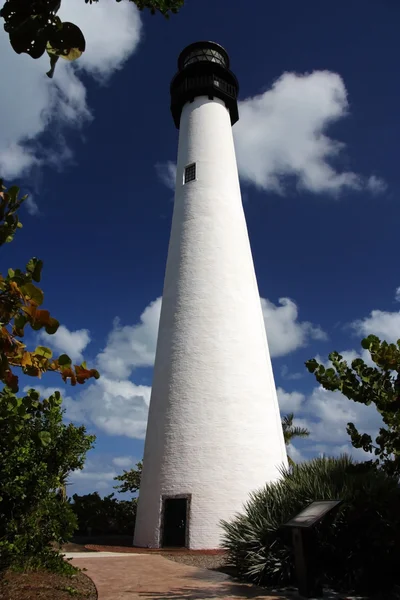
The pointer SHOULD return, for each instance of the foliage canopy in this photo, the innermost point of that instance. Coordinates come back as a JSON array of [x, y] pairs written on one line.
[[130, 479], [378, 385], [37, 452]]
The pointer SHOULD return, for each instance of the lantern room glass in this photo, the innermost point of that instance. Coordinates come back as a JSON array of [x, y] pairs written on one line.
[[205, 54]]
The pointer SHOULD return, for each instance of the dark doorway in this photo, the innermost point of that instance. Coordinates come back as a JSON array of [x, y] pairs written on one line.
[[174, 522]]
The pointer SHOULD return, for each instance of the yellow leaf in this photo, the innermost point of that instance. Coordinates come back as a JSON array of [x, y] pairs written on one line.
[[26, 359]]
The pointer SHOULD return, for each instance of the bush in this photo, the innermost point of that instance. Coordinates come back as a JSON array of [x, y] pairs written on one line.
[[358, 547], [104, 516], [37, 452], [28, 545]]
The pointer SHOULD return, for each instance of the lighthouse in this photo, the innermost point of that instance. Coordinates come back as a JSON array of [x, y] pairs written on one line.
[[214, 431]]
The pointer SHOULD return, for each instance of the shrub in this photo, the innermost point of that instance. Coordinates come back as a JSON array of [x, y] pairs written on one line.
[[358, 547], [37, 452]]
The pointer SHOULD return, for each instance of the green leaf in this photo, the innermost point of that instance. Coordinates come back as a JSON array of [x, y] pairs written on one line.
[[34, 267], [13, 193], [11, 273], [33, 293], [56, 398], [45, 438], [64, 360], [311, 365], [20, 321], [44, 351]]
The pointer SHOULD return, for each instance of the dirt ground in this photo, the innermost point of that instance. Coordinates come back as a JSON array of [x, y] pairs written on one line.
[[46, 586]]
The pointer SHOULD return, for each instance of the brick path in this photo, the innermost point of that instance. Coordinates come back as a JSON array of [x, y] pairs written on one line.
[[152, 577]]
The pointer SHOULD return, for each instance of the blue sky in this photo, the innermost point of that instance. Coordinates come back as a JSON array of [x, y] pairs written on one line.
[[317, 147]]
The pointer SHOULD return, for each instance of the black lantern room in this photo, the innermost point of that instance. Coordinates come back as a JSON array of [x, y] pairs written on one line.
[[203, 70]]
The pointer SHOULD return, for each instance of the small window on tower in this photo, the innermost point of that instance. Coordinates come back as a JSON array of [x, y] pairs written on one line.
[[190, 173]]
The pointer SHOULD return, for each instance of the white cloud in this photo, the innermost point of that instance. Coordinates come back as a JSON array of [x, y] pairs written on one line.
[[289, 401], [295, 454], [131, 346], [327, 413], [115, 407], [282, 133], [96, 476], [285, 373], [125, 462], [167, 173], [397, 294], [376, 185], [45, 391], [385, 325], [72, 343], [285, 333], [86, 474], [31, 205], [30, 102]]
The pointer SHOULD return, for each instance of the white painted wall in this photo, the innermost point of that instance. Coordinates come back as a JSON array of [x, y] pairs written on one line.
[[214, 428]]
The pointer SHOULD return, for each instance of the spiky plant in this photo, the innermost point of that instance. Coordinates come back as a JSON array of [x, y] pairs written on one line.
[[358, 549]]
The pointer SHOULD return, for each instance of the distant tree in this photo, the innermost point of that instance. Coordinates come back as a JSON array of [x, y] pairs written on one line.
[[130, 479], [378, 385], [33, 27], [291, 432], [104, 516]]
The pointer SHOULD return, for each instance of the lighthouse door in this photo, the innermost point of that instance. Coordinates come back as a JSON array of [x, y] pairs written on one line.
[[174, 522]]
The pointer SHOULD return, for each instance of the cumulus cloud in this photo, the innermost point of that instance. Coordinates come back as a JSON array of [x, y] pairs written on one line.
[[45, 391], [285, 333], [397, 294], [327, 413], [295, 454], [72, 343], [96, 476], [282, 133], [286, 374], [125, 462], [30, 102], [131, 346], [167, 173], [376, 185], [386, 325], [289, 401], [115, 407]]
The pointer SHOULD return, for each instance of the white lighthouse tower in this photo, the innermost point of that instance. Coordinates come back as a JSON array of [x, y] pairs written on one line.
[[214, 431]]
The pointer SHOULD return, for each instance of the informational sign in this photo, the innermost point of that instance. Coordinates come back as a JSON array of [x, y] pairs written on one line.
[[313, 513]]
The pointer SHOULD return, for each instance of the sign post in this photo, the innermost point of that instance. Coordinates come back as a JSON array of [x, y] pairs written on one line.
[[305, 545]]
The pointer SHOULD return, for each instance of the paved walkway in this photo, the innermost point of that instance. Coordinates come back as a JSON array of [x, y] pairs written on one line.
[[133, 576]]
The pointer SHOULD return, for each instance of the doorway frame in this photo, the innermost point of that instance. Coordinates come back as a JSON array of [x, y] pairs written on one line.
[[164, 497]]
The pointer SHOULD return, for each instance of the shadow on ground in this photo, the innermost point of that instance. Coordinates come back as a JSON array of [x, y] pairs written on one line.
[[230, 590]]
